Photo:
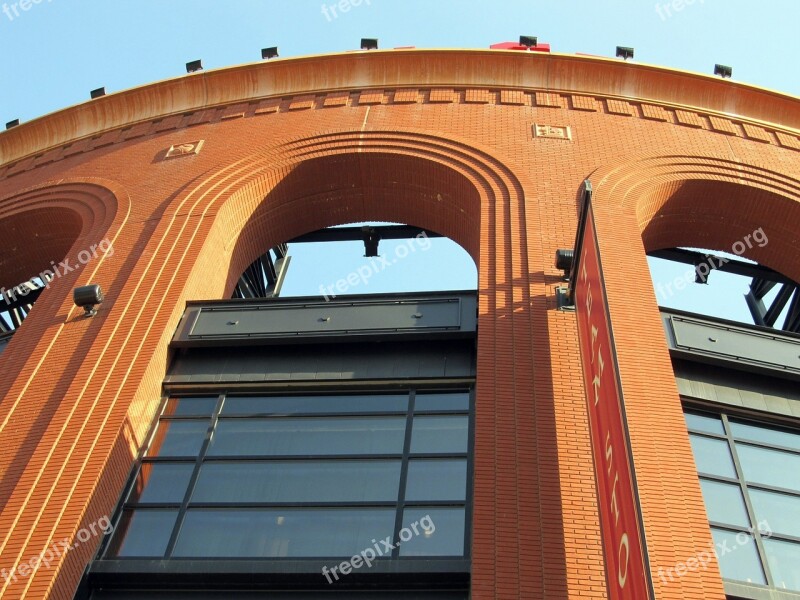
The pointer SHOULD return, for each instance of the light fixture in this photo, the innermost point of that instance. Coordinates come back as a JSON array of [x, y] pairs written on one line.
[[371, 239], [86, 297], [13, 123], [624, 52], [267, 53], [528, 40], [194, 65], [723, 71], [101, 91], [564, 260], [369, 43]]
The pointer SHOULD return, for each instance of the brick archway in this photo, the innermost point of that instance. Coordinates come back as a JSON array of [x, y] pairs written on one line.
[[36, 387], [667, 201], [471, 196]]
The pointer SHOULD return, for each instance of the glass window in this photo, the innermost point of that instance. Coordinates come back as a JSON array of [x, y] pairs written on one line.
[[724, 502], [277, 533], [738, 557], [765, 434], [707, 423], [436, 479], [784, 563], [300, 476], [432, 532], [179, 438], [449, 401], [770, 467], [162, 482], [290, 405], [776, 512], [299, 481], [144, 533], [439, 434], [309, 436], [759, 541], [712, 456], [190, 407]]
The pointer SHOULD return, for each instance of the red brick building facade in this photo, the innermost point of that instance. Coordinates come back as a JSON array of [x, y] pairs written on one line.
[[190, 179]]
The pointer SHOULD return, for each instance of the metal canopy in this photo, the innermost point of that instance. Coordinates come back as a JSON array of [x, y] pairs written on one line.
[[763, 280], [264, 277]]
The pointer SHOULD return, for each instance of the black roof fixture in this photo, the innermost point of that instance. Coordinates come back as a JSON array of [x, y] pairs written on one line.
[[267, 53], [723, 71], [369, 43], [624, 52], [194, 65], [101, 91], [13, 123], [528, 40]]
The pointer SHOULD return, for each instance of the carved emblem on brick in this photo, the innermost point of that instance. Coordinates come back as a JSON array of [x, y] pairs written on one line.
[[185, 149], [557, 132]]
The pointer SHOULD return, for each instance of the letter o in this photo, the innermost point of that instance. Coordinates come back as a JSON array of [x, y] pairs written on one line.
[[88, 256], [403, 531], [84, 535], [740, 243], [623, 543], [402, 254]]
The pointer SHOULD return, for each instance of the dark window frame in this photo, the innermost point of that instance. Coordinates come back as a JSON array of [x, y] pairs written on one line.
[[126, 505], [725, 414]]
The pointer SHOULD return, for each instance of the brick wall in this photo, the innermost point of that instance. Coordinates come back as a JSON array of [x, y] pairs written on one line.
[[78, 394]]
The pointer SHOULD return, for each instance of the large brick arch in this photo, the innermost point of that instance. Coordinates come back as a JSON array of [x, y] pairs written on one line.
[[667, 201], [710, 203], [473, 197], [37, 416]]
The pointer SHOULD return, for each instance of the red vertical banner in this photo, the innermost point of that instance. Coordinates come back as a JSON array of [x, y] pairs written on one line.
[[624, 548]]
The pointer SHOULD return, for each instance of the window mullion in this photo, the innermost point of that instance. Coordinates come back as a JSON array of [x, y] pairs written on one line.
[[193, 479], [762, 555], [401, 498]]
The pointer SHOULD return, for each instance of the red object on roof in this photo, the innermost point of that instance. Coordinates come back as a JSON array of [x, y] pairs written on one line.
[[508, 46], [515, 46]]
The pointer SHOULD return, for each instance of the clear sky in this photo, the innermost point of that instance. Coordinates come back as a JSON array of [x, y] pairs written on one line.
[[55, 51]]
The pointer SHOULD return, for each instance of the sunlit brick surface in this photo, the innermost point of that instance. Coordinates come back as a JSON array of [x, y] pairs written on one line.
[[79, 394]]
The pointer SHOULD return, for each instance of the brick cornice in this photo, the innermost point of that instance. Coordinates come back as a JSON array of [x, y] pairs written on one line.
[[396, 69]]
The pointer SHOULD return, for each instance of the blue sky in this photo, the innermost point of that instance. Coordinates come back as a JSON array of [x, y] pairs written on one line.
[[56, 51]]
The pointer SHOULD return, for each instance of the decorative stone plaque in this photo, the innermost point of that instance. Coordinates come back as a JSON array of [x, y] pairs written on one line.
[[557, 132], [185, 149]]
